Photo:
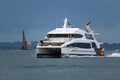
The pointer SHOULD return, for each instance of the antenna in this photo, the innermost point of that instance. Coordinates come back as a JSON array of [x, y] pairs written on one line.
[[66, 23], [88, 23], [88, 29]]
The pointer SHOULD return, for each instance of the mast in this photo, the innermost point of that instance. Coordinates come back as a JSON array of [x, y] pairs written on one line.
[[88, 29], [66, 24], [24, 43]]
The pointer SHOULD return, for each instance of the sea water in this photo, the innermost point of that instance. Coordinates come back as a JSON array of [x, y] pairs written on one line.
[[23, 65]]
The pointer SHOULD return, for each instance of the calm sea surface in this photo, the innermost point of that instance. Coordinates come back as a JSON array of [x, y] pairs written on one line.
[[23, 65]]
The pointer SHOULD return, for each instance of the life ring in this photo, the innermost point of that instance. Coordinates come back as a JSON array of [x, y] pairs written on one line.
[[100, 52]]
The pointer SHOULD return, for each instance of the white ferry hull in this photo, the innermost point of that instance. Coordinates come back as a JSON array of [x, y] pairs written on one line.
[[77, 52], [57, 52]]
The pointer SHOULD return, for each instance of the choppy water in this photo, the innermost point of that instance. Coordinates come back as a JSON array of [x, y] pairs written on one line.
[[23, 65]]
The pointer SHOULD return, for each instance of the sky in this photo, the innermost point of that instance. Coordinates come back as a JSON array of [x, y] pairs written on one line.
[[37, 17]]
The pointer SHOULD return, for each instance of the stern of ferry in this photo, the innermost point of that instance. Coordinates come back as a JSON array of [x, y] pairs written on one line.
[[48, 52]]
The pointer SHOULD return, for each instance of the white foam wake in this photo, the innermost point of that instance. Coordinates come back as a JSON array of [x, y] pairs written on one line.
[[114, 55], [75, 56]]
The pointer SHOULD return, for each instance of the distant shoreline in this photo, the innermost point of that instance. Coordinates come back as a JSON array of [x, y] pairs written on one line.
[[17, 45]]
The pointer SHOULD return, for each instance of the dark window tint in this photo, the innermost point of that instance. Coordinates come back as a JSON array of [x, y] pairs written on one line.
[[80, 45], [64, 35], [57, 35], [77, 35], [94, 45], [89, 36]]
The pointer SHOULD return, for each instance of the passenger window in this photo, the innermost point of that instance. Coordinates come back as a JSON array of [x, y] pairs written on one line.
[[89, 36], [94, 45], [80, 45]]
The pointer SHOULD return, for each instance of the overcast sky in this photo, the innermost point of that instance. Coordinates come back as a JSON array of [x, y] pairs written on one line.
[[37, 17]]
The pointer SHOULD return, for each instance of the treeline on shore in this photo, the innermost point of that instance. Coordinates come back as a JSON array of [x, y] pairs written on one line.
[[17, 45]]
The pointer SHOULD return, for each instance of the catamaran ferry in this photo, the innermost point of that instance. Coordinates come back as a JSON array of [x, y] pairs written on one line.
[[67, 41]]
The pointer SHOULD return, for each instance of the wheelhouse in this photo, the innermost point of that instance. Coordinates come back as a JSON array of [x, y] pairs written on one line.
[[89, 36]]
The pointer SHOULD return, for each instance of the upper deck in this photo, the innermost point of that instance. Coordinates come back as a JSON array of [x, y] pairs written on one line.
[[67, 29], [68, 33]]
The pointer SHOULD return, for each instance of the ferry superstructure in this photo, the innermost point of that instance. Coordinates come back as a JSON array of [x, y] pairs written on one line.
[[67, 41]]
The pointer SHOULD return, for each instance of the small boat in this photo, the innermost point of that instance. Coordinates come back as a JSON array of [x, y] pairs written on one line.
[[68, 40], [24, 42]]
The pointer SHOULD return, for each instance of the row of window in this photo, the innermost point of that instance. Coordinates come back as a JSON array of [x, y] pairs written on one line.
[[82, 45], [64, 35], [88, 36]]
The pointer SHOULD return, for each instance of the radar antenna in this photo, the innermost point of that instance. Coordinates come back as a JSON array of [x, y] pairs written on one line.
[[88, 23], [88, 29], [66, 23]]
